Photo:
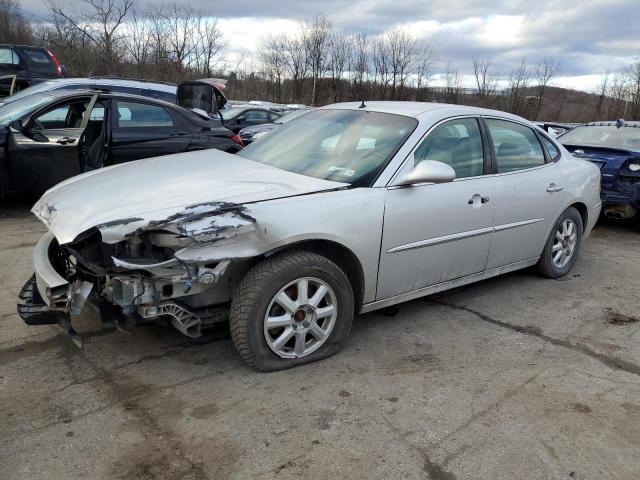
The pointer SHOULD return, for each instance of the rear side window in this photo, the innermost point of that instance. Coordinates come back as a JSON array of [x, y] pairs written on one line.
[[457, 143], [8, 56], [516, 146], [552, 150], [36, 55], [133, 114]]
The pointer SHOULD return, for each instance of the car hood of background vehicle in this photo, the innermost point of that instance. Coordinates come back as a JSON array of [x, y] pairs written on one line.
[[125, 197]]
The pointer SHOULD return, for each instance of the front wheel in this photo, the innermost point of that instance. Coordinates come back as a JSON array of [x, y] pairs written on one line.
[[561, 250], [291, 308]]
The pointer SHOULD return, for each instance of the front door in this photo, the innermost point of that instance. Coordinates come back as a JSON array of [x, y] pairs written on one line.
[[48, 148], [528, 195], [438, 232]]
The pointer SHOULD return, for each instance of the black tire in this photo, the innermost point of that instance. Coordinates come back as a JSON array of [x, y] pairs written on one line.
[[545, 265], [254, 293]]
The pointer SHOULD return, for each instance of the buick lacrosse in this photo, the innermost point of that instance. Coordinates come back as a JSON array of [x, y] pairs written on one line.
[[350, 208]]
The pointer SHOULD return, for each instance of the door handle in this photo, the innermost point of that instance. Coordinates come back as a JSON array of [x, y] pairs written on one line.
[[65, 140], [178, 134], [473, 199], [552, 188]]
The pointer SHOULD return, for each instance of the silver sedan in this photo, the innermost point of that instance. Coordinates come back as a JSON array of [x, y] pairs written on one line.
[[347, 209]]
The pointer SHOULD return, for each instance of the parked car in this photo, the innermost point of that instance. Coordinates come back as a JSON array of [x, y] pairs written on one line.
[[237, 118], [29, 65], [348, 209], [48, 137], [251, 134], [158, 90], [615, 148]]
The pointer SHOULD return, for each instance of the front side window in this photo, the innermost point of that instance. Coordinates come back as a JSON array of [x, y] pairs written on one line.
[[68, 115], [516, 146], [351, 146], [133, 114], [457, 143]]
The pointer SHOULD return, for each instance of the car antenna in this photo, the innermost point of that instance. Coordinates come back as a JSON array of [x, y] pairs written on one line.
[[362, 105]]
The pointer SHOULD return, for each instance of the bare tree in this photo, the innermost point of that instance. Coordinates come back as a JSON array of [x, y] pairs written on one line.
[[100, 22], [296, 61], [603, 89], [272, 56], [339, 55], [453, 85], [518, 83], [546, 69], [423, 70], [359, 67], [486, 79], [317, 36], [14, 27]]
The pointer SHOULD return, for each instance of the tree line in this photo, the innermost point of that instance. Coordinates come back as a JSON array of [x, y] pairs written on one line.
[[314, 64]]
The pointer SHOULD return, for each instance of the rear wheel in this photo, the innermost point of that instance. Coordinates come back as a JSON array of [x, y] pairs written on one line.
[[290, 309], [561, 250]]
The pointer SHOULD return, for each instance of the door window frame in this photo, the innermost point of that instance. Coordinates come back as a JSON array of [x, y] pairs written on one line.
[[90, 99], [486, 153], [494, 163], [115, 124]]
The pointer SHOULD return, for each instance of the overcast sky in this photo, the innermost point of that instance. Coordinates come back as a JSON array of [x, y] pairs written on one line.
[[587, 36]]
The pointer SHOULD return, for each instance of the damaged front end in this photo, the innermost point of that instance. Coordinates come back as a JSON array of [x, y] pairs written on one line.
[[137, 270]]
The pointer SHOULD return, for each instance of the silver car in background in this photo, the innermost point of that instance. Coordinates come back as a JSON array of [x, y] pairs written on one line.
[[350, 208]]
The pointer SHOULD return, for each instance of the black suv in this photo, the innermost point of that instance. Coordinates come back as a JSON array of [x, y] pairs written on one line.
[[30, 65]]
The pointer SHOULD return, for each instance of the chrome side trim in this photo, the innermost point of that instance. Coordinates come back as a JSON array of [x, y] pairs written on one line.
[[439, 287], [508, 226], [440, 240], [460, 236]]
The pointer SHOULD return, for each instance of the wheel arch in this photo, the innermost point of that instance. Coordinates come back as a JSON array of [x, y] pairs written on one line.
[[584, 213], [340, 255]]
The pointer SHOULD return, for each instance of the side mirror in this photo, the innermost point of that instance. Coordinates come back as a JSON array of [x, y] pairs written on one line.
[[16, 126], [429, 171]]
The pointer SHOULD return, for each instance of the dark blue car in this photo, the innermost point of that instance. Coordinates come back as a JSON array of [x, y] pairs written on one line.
[[615, 148]]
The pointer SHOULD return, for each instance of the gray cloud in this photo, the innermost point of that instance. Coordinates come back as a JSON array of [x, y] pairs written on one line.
[[587, 36]]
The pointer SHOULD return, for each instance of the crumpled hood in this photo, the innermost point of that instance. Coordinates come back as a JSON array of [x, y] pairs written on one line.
[[131, 196]]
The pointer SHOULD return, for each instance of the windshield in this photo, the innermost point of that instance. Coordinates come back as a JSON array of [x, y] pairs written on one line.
[[23, 106], [627, 136], [290, 116], [351, 146]]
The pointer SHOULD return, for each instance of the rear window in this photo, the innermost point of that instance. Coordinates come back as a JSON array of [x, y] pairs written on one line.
[[627, 136], [36, 55]]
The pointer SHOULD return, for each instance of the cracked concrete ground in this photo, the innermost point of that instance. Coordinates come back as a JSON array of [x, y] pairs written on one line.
[[515, 377]]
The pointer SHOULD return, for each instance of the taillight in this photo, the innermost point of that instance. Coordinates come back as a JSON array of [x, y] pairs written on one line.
[[236, 138], [56, 63]]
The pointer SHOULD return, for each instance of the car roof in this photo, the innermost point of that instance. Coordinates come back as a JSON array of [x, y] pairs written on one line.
[[419, 109], [611, 123], [20, 46], [63, 93], [116, 82]]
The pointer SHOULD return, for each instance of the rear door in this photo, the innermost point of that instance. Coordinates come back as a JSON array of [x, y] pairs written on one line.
[[145, 130], [49, 149], [529, 193]]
